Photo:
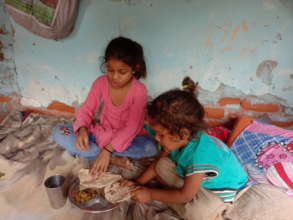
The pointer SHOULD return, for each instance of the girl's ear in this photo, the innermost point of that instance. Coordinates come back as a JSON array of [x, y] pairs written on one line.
[[184, 134]]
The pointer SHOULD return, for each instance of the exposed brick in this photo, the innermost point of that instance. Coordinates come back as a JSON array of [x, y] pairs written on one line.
[[2, 31], [48, 112], [215, 113], [233, 115], [260, 107], [37, 110], [59, 106], [1, 57], [212, 123], [283, 124], [229, 101], [4, 98]]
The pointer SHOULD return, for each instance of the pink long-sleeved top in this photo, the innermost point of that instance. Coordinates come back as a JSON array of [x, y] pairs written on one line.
[[118, 125]]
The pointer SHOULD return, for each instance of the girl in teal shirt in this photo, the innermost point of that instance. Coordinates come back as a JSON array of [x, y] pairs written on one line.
[[201, 173]]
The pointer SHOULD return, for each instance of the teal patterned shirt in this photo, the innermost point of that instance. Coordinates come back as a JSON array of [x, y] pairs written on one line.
[[224, 174]]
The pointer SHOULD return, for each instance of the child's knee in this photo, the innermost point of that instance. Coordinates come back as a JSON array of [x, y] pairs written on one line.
[[162, 164], [151, 147], [55, 131], [166, 171]]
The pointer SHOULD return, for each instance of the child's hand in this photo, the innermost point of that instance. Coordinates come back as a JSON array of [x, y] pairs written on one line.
[[101, 163], [82, 140], [142, 194], [130, 184]]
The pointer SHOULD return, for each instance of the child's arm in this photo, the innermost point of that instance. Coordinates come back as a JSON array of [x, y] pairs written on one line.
[[185, 194], [87, 110]]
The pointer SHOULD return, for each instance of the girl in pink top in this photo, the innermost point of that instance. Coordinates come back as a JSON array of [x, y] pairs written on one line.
[[109, 124]]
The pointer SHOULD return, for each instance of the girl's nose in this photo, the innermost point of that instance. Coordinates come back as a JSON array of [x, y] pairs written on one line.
[[115, 75]]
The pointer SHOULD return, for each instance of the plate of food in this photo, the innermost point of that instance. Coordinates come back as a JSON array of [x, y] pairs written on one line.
[[89, 200]]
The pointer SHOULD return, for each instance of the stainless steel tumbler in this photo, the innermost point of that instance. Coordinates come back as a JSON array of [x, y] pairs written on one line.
[[56, 190]]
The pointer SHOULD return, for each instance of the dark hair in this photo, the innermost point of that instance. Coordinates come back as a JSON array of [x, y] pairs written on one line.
[[129, 52], [177, 109]]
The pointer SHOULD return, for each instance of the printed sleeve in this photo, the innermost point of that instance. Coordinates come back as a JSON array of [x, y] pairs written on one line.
[[87, 110], [202, 160], [208, 169], [123, 137]]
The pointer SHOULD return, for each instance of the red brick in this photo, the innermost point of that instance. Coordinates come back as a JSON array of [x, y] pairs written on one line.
[[283, 124], [4, 98], [232, 115], [2, 31], [212, 123], [1, 57], [229, 101], [59, 106], [260, 107], [215, 113], [47, 112], [37, 110]]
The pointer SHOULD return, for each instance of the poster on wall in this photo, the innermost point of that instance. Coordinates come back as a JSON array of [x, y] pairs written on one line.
[[47, 18]]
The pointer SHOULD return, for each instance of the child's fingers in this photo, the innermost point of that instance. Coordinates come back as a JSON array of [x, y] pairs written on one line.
[[77, 144], [86, 143], [134, 190], [125, 182], [95, 172], [80, 144], [130, 165], [134, 194]]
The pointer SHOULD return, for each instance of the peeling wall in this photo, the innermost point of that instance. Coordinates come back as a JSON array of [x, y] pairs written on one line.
[[8, 76], [233, 48]]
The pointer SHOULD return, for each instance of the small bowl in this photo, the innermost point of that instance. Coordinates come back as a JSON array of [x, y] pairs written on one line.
[[98, 206]]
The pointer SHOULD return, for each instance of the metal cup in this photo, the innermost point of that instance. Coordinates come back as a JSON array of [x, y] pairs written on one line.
[[56, 190]]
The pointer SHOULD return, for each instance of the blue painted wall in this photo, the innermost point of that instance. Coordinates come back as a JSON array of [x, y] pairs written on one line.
[[232, 47]]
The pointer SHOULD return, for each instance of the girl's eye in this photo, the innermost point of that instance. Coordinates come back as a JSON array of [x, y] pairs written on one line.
[[123, 72]]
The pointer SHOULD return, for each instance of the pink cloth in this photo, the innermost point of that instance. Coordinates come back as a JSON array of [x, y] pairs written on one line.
[[269, 129], [274, 153], [118, 125]]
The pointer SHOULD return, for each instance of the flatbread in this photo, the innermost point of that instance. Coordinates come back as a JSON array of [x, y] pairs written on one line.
[[86, 180], [116, 193]]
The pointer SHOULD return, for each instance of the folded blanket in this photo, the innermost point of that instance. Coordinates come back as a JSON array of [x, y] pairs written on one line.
[[260, 146]]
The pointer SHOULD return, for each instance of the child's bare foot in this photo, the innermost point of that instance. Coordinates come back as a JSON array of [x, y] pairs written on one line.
[[122, 162]]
